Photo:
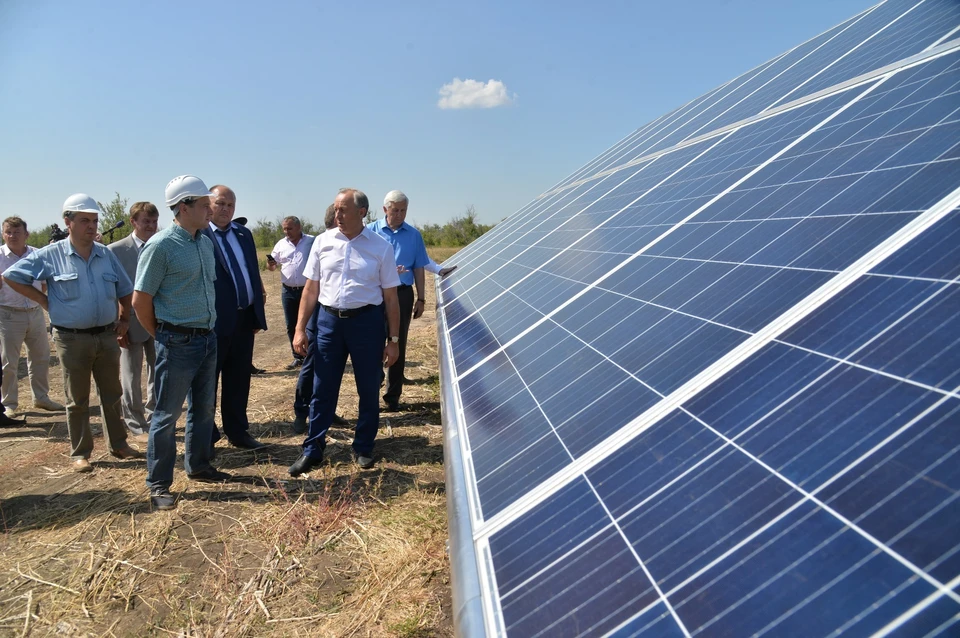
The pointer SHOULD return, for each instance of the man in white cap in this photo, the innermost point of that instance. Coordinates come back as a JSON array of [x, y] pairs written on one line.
[[88, 299], [175, 301]]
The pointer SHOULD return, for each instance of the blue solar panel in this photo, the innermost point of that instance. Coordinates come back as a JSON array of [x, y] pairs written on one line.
[[710, 383]]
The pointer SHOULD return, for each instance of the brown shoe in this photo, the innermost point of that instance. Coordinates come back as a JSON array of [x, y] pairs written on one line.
[[140, 439], [126, 453], [82, 465]]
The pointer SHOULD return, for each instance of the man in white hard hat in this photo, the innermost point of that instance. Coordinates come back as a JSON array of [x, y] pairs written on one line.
[[240, 315], [88, 298], [138, 344], [22, 322], [175, 301]]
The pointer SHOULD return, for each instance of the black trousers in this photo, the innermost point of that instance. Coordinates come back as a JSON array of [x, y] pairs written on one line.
[[290, 300], [395, 372], [234, 361]]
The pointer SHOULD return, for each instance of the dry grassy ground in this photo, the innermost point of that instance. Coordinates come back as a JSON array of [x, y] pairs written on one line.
[[344, 552]]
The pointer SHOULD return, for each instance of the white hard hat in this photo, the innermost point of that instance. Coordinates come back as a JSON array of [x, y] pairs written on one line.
[[80, 203], [183, 187]]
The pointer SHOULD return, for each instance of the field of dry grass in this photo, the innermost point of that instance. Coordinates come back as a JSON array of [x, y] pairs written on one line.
[[344, 552]]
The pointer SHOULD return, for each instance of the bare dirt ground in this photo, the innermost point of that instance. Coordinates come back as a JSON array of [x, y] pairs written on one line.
[[344, 552]]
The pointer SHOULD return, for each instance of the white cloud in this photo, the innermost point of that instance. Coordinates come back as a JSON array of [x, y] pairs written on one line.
[[473, 94]]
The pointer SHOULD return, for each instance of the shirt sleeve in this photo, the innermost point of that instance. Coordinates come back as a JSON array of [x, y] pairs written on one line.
[[151, 269], [421, 259], [124, 285], [388, 268], [432, 266], [312, 269], [276, 252], [27, 270]]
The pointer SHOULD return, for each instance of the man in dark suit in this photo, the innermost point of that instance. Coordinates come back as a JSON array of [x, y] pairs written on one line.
[[240, 315], [137, 344]]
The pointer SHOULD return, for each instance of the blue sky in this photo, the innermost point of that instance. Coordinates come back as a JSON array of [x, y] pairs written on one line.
[[288, 101]]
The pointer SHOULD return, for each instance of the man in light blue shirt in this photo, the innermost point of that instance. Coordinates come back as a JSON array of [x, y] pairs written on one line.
[[411, 257], [88, 299]]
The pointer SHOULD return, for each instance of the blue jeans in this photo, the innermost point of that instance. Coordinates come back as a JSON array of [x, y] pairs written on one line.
[[186, 369], [362, 338]]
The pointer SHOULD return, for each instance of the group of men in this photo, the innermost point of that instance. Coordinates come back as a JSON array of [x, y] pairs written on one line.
[[189, 299]]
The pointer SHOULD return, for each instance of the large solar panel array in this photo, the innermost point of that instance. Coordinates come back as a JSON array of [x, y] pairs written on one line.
[[709, 384]]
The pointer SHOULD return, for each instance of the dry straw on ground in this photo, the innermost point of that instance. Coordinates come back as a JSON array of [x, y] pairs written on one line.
[[343, 552]]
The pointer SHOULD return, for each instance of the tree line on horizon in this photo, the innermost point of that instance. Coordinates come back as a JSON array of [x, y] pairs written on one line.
[[458, 232]]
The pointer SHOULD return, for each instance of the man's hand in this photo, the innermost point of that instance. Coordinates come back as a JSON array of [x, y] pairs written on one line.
[[390, 354], [300, 342], [446, 271], [401, 269], [123, 340], [418, 308], [121, 327]]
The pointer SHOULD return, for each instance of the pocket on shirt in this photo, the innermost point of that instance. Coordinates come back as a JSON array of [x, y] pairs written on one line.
[[66, 286], [365, 269], [110, 285]]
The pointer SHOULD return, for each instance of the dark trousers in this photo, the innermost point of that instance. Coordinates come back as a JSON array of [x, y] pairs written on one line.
[[234, 360], [395, 372], [361, 338], [304, 395], [290, 300]]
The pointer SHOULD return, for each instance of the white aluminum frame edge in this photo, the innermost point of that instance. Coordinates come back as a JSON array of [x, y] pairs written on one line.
[[468, 616]]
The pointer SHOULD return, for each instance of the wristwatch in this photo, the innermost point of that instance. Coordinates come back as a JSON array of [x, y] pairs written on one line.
[[394, 339]]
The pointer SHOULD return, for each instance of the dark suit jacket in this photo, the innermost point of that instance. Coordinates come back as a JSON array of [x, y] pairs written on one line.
[[227, 292], [126, 251]]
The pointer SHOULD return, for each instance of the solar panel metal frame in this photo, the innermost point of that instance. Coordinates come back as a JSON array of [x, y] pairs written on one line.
[[476, 607]]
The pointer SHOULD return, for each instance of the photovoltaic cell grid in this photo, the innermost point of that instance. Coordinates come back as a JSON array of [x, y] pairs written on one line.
[[709, 384]]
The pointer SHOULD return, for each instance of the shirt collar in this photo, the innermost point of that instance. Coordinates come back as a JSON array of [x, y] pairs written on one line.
[[97, 251], [180, 230]]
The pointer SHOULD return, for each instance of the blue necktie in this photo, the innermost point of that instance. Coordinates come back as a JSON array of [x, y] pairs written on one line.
[[237, 273]]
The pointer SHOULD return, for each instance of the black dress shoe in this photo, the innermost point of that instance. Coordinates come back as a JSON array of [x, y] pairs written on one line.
[[300, 425], [303, 465], [365, 462], [162, 499], [392, 406], [255, 370], [339, 420], [210, 475], [5, 420], [247, 442]]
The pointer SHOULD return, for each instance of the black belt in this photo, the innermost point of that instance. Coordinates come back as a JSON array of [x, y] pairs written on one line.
[[404, 286], [183, 330], [292, 287], [87, 331], [346, 313]]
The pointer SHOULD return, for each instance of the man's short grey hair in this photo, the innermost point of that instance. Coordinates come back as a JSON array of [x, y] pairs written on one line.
[[360, 199], [291, 218], [395, 197]]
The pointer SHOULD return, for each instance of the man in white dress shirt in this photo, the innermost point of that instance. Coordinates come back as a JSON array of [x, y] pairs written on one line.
[[352, 274], [22, 321], [290, 254]]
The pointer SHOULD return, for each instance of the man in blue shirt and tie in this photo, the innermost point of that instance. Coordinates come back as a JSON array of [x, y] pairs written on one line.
[[240, 315], [410, 254], [88, 299]]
